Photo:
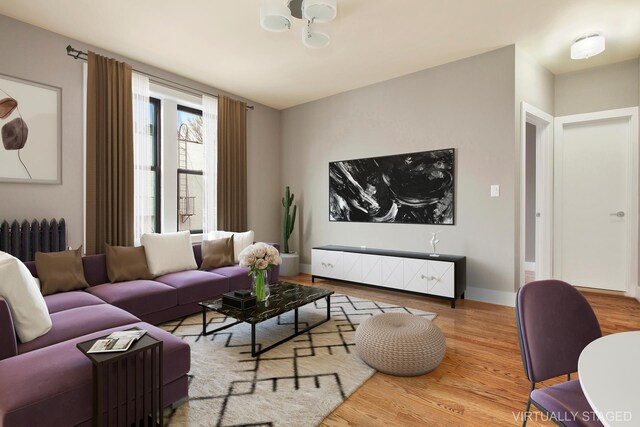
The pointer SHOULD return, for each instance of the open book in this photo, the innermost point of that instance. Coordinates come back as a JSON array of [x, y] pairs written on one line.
[[117, 341]]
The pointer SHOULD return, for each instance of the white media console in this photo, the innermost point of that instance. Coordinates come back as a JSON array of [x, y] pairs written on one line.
[[443, 276]]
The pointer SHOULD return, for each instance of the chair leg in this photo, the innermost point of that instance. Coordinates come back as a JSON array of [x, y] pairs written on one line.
[[526, 411], [568, 377]]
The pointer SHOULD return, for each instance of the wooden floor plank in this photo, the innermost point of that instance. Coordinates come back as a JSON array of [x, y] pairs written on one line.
[[481, 381]]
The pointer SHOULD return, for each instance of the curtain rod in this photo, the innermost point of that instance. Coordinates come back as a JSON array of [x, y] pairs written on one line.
[[78, 54]]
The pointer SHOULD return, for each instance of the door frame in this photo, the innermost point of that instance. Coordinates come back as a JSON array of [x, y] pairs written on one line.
[[544, 123], [632, 190]]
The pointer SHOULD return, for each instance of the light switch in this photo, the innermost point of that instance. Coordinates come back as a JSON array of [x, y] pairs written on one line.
[[495, 191]]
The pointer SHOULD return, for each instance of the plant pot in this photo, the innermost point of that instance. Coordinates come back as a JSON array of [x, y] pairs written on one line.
[[290, 264]]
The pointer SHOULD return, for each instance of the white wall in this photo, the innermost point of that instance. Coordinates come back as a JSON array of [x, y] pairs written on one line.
[[35, 54], [467, 105]]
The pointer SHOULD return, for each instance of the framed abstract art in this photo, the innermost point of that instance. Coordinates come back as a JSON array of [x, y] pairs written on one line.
[[412, 188], [31, 130]]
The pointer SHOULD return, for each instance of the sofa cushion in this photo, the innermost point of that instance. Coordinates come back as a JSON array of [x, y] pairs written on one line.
[[59, 380], [217, 253], [169, 252], [67, 300], [196, 285], [95, 269], [138, 297], [60, 271], [127, 263], [26, 304], [238, 277], [77, 322], [240, 240]]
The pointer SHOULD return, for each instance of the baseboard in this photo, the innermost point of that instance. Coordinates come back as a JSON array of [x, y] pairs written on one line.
[[305, 268], [491, 296], [530, 266]]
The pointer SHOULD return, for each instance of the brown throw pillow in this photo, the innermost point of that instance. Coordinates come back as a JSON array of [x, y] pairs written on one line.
[[217, 253], [127, 263], [60, 271]]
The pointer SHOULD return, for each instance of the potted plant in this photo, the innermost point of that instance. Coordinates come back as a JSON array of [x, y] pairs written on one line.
[[290, 260]]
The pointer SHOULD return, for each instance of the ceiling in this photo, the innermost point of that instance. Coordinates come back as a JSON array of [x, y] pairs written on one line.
[[220, 42]]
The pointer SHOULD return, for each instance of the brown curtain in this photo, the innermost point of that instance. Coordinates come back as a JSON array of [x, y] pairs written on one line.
[[232, 164], [109, 154]]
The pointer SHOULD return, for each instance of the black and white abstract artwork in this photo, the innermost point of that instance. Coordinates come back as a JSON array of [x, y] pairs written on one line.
[[414, 188]]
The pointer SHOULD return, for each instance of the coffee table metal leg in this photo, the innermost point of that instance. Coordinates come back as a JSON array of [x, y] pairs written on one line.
[[204, 324], [204, 321], [296, 320], [328, 307], [253, 340]]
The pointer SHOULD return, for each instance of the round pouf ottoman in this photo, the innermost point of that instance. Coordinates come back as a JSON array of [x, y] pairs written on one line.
[[400, 344]]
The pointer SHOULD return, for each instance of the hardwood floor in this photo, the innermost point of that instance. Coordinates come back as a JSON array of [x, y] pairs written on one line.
[[481, 381]]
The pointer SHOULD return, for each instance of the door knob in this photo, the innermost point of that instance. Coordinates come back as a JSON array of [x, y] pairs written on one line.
[[619, 214]]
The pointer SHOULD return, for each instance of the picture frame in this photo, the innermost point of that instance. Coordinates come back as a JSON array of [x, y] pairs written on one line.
[[31, 131], [407, 188]]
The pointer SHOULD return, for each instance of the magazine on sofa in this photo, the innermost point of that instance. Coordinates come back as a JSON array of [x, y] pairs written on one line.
[[116, 342]]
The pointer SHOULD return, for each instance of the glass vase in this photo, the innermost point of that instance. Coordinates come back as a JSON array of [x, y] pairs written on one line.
[[260, 285]]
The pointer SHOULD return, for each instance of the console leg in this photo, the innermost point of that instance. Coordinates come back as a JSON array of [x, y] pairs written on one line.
[[462, 296], [313, 279], [453, 303]]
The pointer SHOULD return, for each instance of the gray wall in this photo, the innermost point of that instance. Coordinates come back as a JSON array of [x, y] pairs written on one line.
[[535, 85], [596, 89], [467, 105], [35, 54]]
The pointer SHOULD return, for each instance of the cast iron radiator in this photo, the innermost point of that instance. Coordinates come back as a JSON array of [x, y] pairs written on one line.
[[25, 239]]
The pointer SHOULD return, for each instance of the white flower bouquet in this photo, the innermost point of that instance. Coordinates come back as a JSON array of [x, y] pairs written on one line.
[[259, 258]]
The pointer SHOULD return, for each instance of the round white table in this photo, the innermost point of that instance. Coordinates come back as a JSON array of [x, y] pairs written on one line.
[[609, 371]]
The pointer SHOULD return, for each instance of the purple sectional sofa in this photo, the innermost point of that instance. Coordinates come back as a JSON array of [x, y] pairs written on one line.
[[48, 381]]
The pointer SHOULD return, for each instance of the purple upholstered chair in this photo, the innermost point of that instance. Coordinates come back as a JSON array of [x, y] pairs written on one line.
[[555, 323]]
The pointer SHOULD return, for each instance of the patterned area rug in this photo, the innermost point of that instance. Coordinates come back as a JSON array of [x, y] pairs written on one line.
[[295, 384]]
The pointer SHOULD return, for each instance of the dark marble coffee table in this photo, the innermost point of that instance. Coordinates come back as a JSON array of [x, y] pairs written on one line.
[[284, 297]]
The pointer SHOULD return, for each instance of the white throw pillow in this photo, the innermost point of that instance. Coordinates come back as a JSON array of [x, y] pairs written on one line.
[[240, 240], [28, 310], [169, 252]]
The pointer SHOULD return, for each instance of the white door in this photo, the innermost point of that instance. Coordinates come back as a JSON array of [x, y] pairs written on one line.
[[595, 206]]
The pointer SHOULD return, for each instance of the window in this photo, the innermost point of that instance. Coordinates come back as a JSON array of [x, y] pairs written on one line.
[[190, 166], [153, 225]]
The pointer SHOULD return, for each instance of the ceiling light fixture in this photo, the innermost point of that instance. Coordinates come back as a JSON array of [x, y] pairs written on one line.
[[314, 38], [587, 46], [276, 17]]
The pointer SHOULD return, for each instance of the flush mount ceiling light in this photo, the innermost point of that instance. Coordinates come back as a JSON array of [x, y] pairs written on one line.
[[587, 46], [319, 11], [275, 16], [314, 38]]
